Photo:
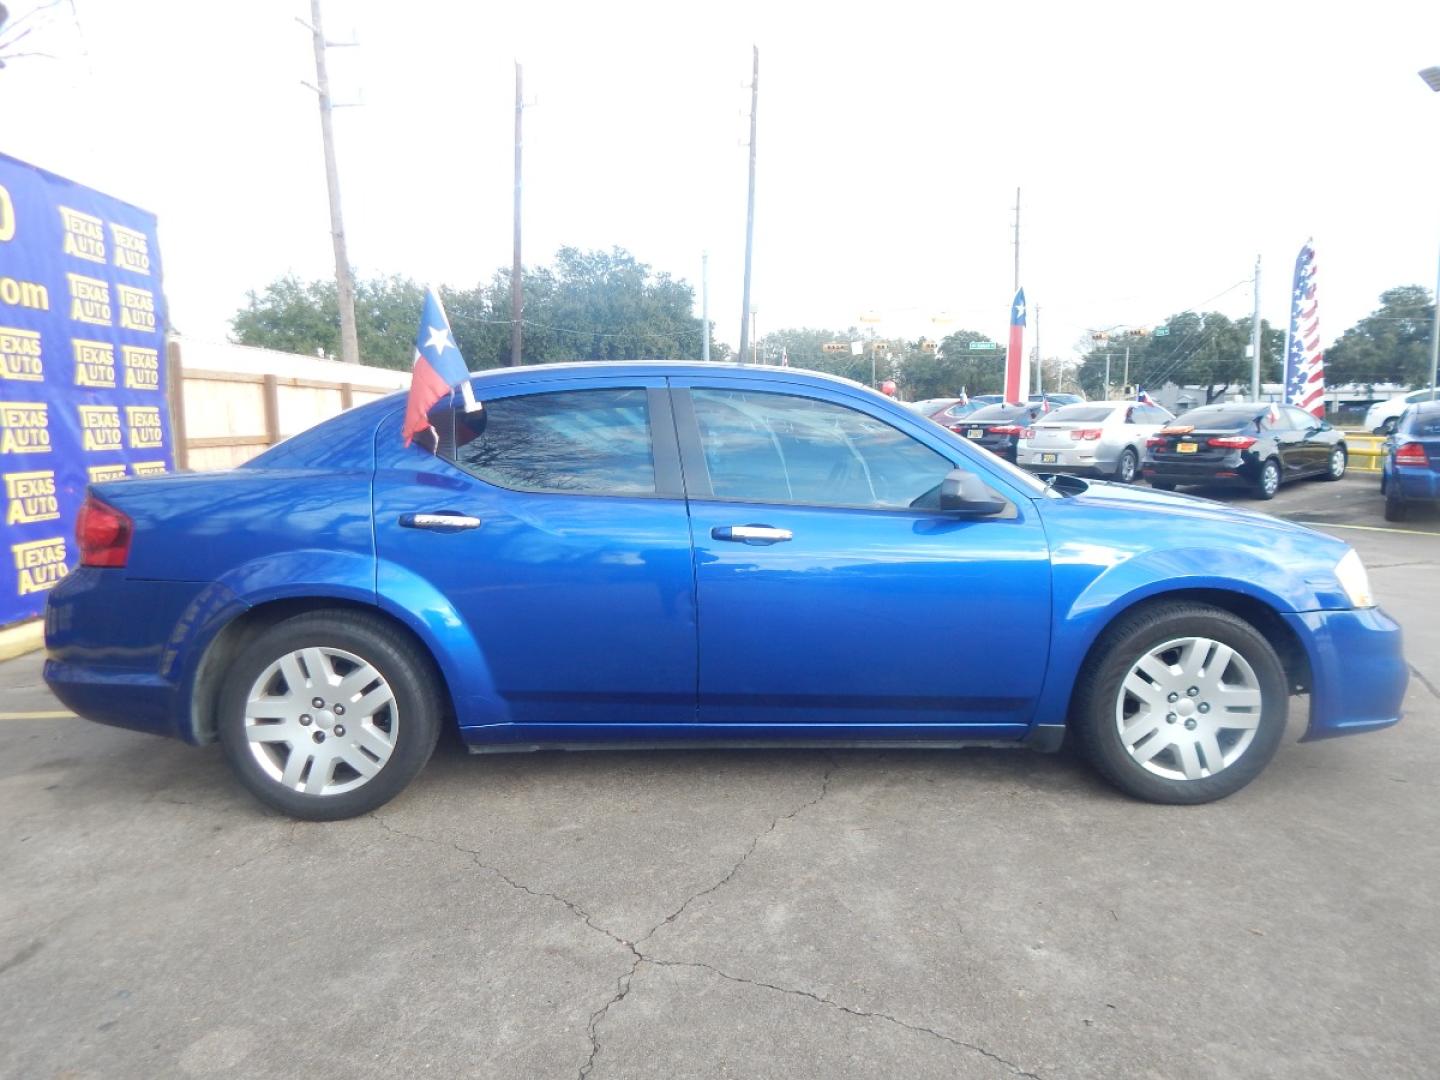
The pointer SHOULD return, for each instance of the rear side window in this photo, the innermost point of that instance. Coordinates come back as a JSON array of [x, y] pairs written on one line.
[[1219, 419], [1423, 425], [780, 448], [592, 442]]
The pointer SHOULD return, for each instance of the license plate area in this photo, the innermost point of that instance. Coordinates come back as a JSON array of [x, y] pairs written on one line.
[[1049, 459], [1186, 447], [975, 433]]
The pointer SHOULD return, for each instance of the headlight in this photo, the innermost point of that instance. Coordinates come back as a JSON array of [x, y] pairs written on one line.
[[1350, 572]]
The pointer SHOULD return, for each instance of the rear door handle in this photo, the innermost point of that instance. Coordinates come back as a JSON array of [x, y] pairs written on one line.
[[440, 521], [751, 534]]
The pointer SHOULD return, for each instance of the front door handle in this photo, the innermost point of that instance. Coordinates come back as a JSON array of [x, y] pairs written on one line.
[[440, 521], [751, 534]]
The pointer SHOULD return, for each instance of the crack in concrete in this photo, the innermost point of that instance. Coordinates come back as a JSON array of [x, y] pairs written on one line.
[[867, 1014], [287, 841], [1424, 681], [626, 980]]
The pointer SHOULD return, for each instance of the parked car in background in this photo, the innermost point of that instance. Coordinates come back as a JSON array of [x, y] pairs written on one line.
[[1057, 400], [998, 427], [1410, 469], [1244, 444], [582, 563], [947, 412], [1095, 438], [1382, 417]]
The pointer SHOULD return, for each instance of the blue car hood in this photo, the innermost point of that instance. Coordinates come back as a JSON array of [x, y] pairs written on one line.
[[1133, 499]]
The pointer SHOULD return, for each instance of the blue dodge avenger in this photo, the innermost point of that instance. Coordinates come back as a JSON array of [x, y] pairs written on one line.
[[698, 555]]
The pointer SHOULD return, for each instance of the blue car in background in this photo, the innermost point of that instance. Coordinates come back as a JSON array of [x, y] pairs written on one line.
[[1410, 469], [697, 555]]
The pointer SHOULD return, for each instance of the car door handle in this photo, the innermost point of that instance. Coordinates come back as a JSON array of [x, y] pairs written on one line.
[[751, 534], [440, 521]]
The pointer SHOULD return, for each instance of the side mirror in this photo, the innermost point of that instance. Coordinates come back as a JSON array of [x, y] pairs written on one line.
[[965, 493]]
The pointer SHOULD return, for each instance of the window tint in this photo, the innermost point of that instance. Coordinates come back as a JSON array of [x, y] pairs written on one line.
[[780, 448], [1300, 419], [1002, 413], [1219, 418], [594, 442], [1418, 395], [1277, 421], [1424, 424]]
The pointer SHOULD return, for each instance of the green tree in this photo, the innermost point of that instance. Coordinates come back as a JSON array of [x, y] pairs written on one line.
[[1206, 349], [1390, 345], [304, 317]]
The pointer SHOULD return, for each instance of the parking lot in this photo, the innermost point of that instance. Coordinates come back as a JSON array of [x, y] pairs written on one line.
[[735, 914]]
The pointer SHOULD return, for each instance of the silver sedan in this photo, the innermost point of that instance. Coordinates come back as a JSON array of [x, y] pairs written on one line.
[[1097, 438]]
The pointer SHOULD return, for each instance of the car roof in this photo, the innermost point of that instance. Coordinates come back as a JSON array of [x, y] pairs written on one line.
[[659, 368]]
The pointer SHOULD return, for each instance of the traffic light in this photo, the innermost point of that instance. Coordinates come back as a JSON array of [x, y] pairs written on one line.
[[835, 346], [1139, 331], [927, 346]]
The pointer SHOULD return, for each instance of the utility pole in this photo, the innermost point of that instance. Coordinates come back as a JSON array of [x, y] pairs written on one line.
[[1039, 356], [1107, 376], [1017, 239], [750, 211], [1255, 339], [705, 305], [1435, 340], [344, 282], [517, 299], [1125, 386]]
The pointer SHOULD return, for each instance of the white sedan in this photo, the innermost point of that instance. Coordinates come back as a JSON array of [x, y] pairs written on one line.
[[1098, 438]]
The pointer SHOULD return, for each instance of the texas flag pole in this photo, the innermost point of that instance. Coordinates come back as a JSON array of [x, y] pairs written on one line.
[[1017, 364], [438, 369]]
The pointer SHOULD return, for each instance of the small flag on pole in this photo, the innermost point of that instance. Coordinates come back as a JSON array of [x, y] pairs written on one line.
[[1144, 397], [964, 397], [438, 369], [1304, 360]]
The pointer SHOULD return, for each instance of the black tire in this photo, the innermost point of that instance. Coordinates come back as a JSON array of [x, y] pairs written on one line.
[[1339, 461], [1093, 717], [1162, 485], [1395, 508], [1128, 467], [1264, 487], [412, 680]]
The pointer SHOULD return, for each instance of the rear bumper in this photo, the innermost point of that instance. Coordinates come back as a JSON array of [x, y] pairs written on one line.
[[1236, 471], [1359, 674], [1069, 461], [1416, 484]]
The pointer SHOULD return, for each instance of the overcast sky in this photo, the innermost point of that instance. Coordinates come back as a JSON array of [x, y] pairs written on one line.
[[1160, 146]]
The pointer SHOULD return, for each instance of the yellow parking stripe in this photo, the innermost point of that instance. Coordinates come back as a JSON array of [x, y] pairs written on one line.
[[53, 715], [1366, 528]]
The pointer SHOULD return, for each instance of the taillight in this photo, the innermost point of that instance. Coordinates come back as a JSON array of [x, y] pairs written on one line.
[[1027, 433], [1412, 453], [1089, 434], [1006, 429], [1155, 442], [102, 534], [1232, 442]]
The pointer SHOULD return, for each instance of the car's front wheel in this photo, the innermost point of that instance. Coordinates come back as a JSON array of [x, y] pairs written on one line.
[[1185, 704], [1338, 462], [329, 714]]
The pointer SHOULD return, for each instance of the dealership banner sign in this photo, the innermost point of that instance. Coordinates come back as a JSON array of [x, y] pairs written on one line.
[[82, 367]]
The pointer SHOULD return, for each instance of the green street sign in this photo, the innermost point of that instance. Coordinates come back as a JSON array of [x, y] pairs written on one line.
[[983, 346], [1161, 331]]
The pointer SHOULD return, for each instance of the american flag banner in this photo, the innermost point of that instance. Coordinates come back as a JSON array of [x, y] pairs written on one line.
[[1304, 361]]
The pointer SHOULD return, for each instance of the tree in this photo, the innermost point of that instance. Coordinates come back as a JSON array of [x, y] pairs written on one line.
[[1201, 349], [955, 367], [590, 305], [1390, 345]]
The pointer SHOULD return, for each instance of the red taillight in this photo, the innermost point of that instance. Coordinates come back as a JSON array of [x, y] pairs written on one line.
[[102, 534], [1412, 453], [1027, 433], [1155, 442], [1006, 429], [1232, 442], [1089, 434]]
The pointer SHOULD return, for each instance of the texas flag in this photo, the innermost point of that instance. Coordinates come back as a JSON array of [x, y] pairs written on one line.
[[438, 369], [1017, 364]]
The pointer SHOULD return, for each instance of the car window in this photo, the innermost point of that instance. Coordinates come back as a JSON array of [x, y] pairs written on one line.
[[1218, 418], [1421, 425], [594, 442], [1418, 395], [1083, 413], [1152, 414], [1300, 419], [764, 447], [1275, 420]]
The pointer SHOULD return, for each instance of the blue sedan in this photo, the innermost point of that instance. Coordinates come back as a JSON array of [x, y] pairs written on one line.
[[1410, 468], [697, 555]]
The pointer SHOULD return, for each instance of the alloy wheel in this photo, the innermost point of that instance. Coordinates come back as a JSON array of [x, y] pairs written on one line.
[[1270, 479], [1337, 463], [1189, 708], [321, 721]]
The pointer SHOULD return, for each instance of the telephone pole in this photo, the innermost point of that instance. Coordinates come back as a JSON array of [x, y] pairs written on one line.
[[1255, 339], [1017, 239], [1039, 356], [750, 211], [705, 305], [517, 300], [344, 282]]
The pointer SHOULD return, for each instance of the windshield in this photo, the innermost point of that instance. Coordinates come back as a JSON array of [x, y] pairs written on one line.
[[1089, 413], [1217, 418]]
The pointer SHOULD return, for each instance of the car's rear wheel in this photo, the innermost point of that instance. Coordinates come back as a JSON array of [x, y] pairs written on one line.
[[329, 714], [1186, 704], [1127, 467], [1338, 462], [1395, 508], [1269, 482]]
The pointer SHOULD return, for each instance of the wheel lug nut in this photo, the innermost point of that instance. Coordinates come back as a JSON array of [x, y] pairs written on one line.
[[319, 736], [319, 703], [339, 729], [1190, 724], [1174, 697], [1204, 706], [305, 720], [339, 710], [1193, 691], [1170, 718]]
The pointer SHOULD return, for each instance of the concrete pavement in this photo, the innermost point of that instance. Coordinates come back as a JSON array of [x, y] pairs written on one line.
[[746, 914]]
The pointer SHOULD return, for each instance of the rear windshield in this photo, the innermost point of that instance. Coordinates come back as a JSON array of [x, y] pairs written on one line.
[[930, 404], [1213, 418], [1082, 412], [998, 412], [1423, 425]]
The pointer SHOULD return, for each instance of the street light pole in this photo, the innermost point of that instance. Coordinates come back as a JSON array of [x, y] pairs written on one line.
[[1431, 75]]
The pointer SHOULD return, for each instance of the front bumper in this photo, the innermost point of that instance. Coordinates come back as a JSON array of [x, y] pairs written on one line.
[[1358, 670]]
